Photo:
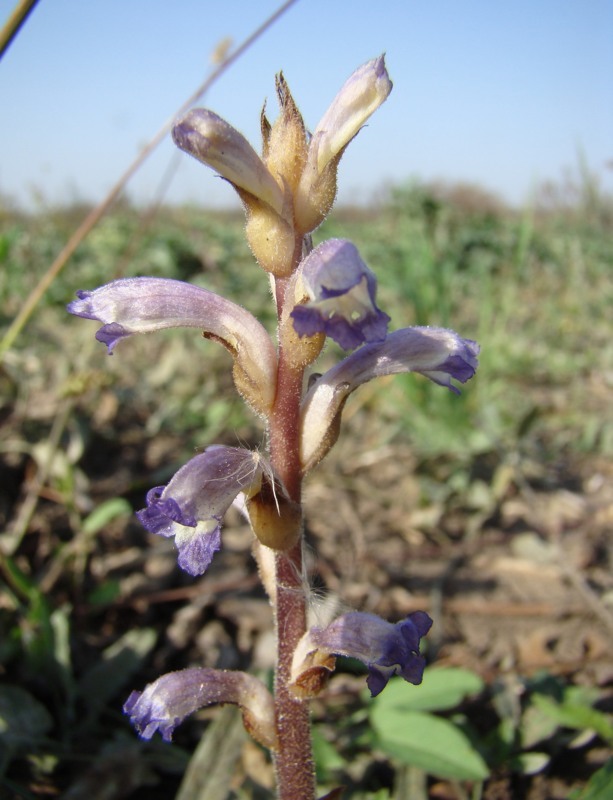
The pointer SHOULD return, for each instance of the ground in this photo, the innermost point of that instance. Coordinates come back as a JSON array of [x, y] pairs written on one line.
[[503, 538]]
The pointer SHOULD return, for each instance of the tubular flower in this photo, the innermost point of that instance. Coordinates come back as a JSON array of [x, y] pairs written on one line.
[[213, 141], [386, 649], [361, 95], [143, 305], [165, 703], [262, 185], [437, 353], [192, 505], [341, 296]]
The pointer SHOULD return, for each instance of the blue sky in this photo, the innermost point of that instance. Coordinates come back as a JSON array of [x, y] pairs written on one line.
[[502, 94]]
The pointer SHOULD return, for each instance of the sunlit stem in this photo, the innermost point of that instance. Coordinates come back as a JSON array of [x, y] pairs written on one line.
[[293, 759]]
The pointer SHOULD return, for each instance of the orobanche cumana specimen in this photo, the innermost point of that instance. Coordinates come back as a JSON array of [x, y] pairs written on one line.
[[326, 291]]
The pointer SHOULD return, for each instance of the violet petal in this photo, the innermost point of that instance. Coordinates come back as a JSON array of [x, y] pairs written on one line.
[[192, 505], [439, 354], [341, 294], [386, 649]]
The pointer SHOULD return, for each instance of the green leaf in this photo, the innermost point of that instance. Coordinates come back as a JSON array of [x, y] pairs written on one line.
[[600, 786], [530, 763], [428, 742], [105, 594], [326, 757], [39, 642], [105, 513], [581, 695], [579, 717], [23, 719], [119, 663], [536, 726], [19, 580], [440, 689]]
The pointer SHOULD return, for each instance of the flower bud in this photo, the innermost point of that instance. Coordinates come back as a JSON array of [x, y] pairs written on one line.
[[286, 142], [210, 139], [264, 188], [366, 89]]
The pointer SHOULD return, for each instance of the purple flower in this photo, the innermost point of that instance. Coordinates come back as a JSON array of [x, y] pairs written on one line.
[[360, 96], [214, 142], [341, 296], [165, 703], [191, 507], [295, 181], [386, 649], [143, 305], [437, 353]]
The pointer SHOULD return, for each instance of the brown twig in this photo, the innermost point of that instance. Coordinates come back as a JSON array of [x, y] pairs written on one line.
[[14, 22]]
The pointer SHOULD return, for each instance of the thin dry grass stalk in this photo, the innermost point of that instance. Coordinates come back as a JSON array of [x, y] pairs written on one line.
[[13, 24]]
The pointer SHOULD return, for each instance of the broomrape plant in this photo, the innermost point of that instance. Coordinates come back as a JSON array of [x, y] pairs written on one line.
[[323, 292]]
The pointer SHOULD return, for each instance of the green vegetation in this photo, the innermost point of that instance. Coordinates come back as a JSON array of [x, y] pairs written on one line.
[[90, 607]]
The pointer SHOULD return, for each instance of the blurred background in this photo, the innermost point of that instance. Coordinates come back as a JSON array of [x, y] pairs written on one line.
[[502, 96], [480, 195]]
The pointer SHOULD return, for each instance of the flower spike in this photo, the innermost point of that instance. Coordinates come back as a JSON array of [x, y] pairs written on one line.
[[437, 353], [143, 305], [341, 296]]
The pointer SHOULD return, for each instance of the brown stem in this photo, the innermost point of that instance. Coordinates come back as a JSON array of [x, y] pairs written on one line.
[[284, 428], [293, 758]]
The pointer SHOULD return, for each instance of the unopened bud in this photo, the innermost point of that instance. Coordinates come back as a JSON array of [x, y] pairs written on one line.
[[360, 97], [286, 144], [275, 519], [213, 141]]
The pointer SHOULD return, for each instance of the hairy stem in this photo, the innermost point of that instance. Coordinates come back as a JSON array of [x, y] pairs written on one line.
[[293, 759]]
